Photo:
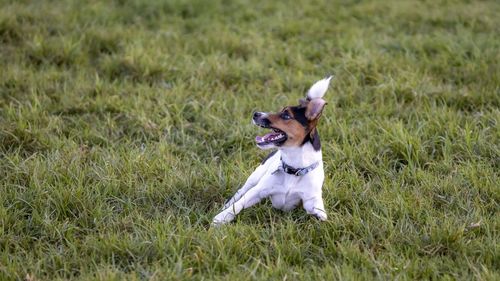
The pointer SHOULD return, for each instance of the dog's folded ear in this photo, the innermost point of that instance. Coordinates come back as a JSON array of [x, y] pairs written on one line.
[[303, 102], [314, 108]]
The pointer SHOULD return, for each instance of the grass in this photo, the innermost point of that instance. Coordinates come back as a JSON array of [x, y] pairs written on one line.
[[125, 124]]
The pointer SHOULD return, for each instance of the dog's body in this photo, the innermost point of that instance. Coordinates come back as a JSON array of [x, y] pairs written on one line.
[[292, 174]]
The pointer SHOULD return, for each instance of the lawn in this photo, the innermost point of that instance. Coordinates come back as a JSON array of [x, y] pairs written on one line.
[[124, 125]]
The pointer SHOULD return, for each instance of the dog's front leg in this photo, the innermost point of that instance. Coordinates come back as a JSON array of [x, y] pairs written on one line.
[[252, 180], [250, 198], [315, 206]]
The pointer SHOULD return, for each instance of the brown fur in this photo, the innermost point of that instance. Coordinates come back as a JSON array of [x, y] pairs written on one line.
[[296, 131], [293, 129]]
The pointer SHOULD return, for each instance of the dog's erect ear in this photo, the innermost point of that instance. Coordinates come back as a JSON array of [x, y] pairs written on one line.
[[319, 88], [314, 108]]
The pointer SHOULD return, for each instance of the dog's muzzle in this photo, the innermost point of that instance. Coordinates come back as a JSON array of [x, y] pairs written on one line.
[[260, 119]]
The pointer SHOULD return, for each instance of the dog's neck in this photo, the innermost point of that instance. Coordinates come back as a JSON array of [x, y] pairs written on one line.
[[300, 157]]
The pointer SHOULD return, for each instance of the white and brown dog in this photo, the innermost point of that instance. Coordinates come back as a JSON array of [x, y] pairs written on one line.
[[294, 172]]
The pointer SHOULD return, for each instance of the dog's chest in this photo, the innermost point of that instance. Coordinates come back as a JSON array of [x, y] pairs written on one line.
[[289, 184], [287, 193]]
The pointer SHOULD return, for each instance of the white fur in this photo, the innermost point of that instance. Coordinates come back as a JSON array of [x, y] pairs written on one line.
[[319, 88], [285, 191]]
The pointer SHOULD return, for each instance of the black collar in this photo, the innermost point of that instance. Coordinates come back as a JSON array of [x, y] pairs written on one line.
[[298, 171]]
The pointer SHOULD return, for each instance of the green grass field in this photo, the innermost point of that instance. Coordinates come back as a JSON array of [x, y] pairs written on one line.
[[124, 125]]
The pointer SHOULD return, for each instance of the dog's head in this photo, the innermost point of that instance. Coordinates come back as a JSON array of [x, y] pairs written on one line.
[[293, 125]]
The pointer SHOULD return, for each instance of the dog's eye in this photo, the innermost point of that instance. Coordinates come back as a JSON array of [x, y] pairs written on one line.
[[284, 115]]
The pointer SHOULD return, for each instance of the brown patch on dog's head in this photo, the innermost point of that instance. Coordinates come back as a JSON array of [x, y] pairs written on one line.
[[292, 126]]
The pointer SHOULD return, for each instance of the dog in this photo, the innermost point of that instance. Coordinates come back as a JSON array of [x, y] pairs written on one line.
[[293, 173]]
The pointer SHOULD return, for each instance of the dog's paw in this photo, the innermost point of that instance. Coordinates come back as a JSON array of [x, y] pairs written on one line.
[[222, 218], [216, 224], [320, 215]]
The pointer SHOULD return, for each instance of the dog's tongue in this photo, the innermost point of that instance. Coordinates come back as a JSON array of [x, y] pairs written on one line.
[[268, 137]]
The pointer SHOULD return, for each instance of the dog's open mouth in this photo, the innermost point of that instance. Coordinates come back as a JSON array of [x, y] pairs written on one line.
[[276, 137]]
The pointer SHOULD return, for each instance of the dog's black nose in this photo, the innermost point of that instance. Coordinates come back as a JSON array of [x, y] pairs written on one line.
[[257, 114]]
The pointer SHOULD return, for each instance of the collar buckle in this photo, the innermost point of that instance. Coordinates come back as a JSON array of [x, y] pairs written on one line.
[[301, 172]]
